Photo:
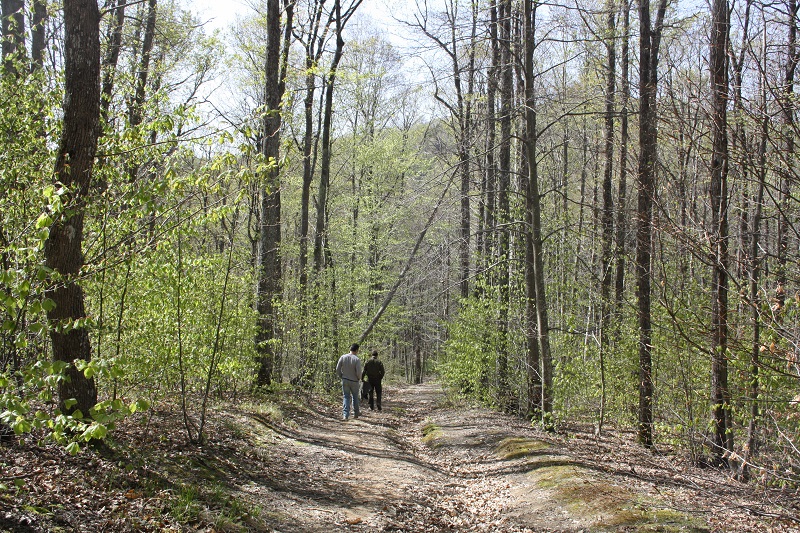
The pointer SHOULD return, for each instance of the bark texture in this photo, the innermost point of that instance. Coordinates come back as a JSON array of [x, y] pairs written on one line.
[[76, 153]]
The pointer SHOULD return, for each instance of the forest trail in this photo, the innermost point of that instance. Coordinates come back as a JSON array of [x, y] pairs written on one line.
[[421, 465], [286, 462]]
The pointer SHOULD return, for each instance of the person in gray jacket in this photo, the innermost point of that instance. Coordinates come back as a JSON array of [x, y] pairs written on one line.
[[349, 370]]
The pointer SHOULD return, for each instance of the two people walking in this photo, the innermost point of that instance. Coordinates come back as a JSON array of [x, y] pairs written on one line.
[[349, 370]]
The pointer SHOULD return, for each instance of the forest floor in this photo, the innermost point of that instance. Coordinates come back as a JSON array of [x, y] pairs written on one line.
[[426, 463]]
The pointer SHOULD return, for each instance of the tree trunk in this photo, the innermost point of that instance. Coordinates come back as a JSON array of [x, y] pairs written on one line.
[[649, 40], [718, 63], [314, 48], [755, 299], [269, 268], [607, 219], [13, 26], [135, 109], [38, 34], [787, 104], [112, 56], [491, 138], [74, 164], [320, 239], [504, 184], [533, 204], [622, 195], [754, 265]]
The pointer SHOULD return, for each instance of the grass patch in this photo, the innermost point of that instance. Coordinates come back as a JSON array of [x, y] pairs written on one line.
[[651, 521], [432, 435], [514, 448], [609, 507], [186, 506], [268, 410], [215, 506]]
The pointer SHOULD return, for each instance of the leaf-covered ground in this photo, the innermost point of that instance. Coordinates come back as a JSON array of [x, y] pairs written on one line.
[[423, 464]]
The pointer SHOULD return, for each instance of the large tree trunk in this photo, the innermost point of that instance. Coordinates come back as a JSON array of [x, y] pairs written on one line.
[[649, 40], [269, 268], [76, 153]]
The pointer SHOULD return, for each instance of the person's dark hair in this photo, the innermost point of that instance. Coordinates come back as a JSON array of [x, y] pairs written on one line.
[[374, 353], [354, 347]]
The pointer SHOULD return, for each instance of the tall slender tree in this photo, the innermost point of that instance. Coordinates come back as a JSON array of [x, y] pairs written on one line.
[[503, 190], [786, 172], [341, 16], [718, 63], [649, 43], [74, 164], [533, 206], [607, 219], [622, 187], [269, 284]]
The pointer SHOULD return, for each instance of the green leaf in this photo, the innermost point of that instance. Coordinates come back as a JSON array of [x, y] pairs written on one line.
[[73, 448], [71, 402], [99, 431], [21, 426], [95, 431], [140, 405], [43, 221]]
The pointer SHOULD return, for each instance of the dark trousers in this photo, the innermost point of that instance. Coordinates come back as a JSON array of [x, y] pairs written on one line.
[[376, 389]]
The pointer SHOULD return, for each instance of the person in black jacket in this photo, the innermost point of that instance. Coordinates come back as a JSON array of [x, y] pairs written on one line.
[[374, 371]]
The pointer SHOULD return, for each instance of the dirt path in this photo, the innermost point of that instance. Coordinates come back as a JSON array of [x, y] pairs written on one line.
[[287, 463], [421, 465]]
